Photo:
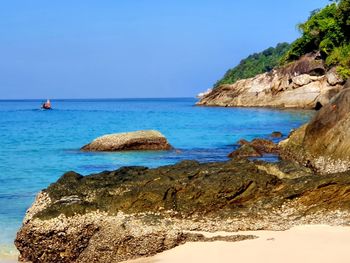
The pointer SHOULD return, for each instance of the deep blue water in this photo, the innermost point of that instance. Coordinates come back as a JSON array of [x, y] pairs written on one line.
[[37, 147]]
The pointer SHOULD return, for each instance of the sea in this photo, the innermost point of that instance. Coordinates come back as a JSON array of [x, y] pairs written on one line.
[[38, 146]]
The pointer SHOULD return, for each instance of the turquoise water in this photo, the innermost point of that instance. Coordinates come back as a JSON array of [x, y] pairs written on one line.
[[37, 147]]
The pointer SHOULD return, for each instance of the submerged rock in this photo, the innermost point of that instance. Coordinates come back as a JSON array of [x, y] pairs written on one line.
[[255, 148], [139, 140], [136, 211], [245, 151], [301, 84], [264, 146], [324, 143], [276, 134]]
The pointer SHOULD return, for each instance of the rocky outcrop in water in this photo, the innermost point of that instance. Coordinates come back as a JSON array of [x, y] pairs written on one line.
[[136, 211], [301, 84], [324, 143], [139, 140], [255, 148]]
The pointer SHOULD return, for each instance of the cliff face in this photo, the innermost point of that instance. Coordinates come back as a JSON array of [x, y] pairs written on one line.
[[135, 211], [302, 84], [324, 142]]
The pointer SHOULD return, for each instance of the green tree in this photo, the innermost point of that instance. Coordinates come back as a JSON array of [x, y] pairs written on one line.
[[255, 64], [327, 30], [321, 31]]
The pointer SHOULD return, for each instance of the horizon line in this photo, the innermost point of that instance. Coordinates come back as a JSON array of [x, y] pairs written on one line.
[[126, 98]]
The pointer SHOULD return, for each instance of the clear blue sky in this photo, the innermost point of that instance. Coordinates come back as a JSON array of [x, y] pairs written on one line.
[[134, 48]]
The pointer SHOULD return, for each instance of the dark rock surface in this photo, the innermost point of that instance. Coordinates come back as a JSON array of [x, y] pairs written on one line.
[[255, 148], [244, 151], [136, 211]]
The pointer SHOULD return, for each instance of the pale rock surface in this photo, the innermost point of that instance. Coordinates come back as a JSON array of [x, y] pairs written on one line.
[[302, 84], [139, 140], [302, 80], [333, 78]]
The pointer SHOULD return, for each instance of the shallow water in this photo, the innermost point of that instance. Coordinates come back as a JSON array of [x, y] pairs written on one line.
[[37, 147]]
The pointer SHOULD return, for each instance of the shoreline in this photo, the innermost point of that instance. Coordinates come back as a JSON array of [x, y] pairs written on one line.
[[304, 243], [311, 243]]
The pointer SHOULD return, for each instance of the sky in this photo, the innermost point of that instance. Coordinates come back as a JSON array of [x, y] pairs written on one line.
[[134, 48]]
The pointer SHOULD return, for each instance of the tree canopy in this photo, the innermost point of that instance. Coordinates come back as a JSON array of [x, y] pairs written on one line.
[[327, 30], [255, 64]]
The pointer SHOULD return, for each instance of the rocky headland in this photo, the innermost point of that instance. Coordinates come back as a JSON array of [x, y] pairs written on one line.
[[305, 83], [129, 141]]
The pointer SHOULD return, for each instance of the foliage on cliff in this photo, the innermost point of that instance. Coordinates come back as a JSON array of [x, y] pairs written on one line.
[[327, 30], [255, 64]]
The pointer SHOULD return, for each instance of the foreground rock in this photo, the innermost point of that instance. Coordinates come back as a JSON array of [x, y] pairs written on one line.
[[139, 140], [301, 84], [324, 143], [136, 211]]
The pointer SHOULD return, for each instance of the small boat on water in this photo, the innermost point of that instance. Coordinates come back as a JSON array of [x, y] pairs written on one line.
[[46, 105]]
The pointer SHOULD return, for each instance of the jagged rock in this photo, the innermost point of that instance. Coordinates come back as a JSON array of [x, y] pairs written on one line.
[[301, 84], [324, 142], [139, 140], [135, 211]]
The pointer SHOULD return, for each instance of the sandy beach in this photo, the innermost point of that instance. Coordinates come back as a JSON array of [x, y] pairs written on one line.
[[8, 254], [317, 243]]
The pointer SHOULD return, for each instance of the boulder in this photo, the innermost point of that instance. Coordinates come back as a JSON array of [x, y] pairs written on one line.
[[333, 78], [139, 140], [255, 148], [302, 80], [264, 146], [310, 64], [324, 143], [276, 134], [245, 151]]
